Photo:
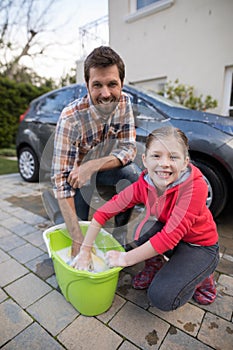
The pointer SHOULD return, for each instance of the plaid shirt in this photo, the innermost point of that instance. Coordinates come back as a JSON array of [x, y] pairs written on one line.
[[82, 133]]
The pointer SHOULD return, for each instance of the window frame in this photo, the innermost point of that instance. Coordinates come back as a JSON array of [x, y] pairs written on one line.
[[147, 10], [228, 91]]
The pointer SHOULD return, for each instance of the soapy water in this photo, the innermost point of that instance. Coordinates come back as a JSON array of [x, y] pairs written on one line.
[[98, 259]]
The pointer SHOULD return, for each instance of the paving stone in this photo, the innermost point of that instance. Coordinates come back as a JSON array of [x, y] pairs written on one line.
[[11, 223], [216, 332], [4, 215], [33, 219], [42, 266], [3, 295], [222, 306], [138, 297], [4, 232], [44, 225], [27, 290], [33, 338], [14, 320], [229, 250], [226, 284], [227, 243], [22, 229], [139, 326], [3, 256], [11, 242], [35, 238], [53, 312], [11, 270], [28, 202], [188, 317], [25, 253], [128, 346], [91, 334], [52, 281], [228, 257], [225, 266], [177, 340], [117, 304], [225, 231], [43, 247]]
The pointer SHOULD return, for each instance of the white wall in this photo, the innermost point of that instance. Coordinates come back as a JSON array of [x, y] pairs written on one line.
[[191, 41]]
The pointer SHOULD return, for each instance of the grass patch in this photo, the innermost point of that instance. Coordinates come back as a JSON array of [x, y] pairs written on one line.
[[8, 152], [8, 166]]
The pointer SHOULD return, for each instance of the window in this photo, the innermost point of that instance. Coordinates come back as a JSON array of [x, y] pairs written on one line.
[[143, 8], [228, 92], [143, 3], [55, 102], [231, 100]]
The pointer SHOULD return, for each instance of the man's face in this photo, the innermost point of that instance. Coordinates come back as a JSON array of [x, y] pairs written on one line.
[[104, 87]]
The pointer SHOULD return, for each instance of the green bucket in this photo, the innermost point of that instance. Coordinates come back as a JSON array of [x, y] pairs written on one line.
[[90, 293]]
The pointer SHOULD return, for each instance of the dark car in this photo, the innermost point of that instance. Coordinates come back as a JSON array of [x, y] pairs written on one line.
[[210, 136]]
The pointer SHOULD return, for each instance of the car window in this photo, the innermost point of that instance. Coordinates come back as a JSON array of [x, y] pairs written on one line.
[[55, 102], [143, 109], [148, 111], [80, 91]]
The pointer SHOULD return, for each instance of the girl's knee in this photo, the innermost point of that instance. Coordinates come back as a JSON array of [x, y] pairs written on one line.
[[162, 300], [158, 300]]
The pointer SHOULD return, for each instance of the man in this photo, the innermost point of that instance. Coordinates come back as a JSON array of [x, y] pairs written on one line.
[[94, 142]]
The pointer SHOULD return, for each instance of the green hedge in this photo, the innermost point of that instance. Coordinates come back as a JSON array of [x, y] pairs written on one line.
[[14, 100]]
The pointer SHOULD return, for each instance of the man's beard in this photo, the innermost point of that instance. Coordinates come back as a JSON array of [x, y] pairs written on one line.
[[106, 109]]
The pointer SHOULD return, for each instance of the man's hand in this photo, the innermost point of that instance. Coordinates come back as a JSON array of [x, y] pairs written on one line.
[[75, 248], [80, 175]]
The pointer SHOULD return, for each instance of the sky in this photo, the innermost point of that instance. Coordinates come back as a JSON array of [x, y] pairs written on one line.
[[68, 16]]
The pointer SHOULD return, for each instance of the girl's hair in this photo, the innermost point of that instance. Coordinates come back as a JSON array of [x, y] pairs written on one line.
[[168, 131], [101, 57]]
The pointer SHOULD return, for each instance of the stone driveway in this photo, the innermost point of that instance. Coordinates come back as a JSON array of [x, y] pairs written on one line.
[[35, 315]]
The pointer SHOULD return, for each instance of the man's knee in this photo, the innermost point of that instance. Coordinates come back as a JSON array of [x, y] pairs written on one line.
[[131, 172]]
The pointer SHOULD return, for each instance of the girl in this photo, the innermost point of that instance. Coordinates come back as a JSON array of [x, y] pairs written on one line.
[[177, 225]]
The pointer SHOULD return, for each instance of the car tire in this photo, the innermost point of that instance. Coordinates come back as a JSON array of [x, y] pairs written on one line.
[[28, 165], [217, 188]]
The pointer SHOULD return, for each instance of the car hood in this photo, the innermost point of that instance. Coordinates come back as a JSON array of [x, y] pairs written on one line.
[[219, 122]]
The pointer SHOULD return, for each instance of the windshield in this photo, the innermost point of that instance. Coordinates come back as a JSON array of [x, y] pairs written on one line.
[[160, 98]]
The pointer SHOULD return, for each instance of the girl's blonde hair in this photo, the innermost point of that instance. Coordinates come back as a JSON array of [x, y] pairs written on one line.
[[166, 132]]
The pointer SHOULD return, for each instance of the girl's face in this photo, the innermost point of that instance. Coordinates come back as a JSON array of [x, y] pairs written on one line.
[[165, 160]]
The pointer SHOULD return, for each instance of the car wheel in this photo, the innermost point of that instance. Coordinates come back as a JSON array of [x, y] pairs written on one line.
[[217, 188], [28, 165]]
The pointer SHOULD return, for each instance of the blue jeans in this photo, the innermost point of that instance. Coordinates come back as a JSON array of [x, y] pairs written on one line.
[[175, 284], [188, 265], [116, 179]]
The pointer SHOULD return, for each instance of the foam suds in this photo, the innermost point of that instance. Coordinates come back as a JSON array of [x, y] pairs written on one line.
[[98, 258]]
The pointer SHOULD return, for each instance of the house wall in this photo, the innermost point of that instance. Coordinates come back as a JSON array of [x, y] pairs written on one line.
[[191, 40]]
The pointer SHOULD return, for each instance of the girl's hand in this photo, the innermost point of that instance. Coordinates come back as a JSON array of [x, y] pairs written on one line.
[[115, 258], [83, 261]]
